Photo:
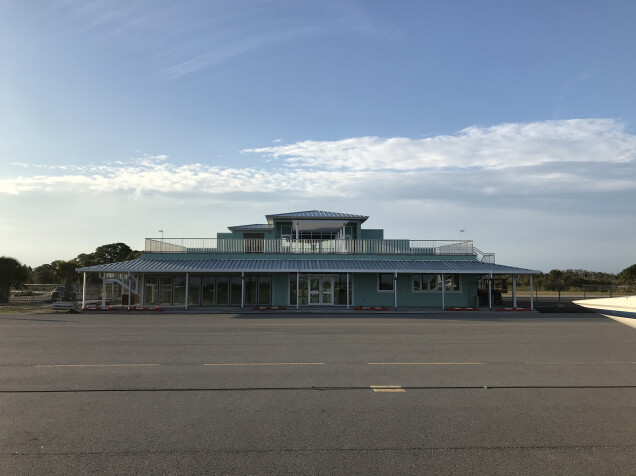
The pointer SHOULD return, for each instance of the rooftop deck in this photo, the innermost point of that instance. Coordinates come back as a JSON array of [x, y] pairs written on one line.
[[319, 247]]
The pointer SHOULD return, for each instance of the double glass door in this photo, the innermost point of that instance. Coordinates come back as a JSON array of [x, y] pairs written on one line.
[[321, 290]]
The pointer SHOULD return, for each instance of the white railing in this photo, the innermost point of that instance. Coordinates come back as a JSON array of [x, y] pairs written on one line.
[[484, 257], [308, 246]]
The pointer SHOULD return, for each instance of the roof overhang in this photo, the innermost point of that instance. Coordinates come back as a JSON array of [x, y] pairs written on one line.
[[305, 266]]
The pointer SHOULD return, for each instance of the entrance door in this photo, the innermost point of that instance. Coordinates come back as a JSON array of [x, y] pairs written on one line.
[[321, 290]]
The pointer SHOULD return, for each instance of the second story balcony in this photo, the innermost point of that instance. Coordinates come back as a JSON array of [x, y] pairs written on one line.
[[313, 246]]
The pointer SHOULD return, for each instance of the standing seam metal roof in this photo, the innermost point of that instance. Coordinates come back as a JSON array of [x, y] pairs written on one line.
[[305, 266], [318, 214]]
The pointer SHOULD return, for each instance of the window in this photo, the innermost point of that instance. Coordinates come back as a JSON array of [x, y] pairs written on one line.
[[385, 282], [452, 282], [425, 282], [433, 282]]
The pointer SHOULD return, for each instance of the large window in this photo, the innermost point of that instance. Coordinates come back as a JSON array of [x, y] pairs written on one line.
[[194, 290], [150, 290], [165, 291], [433, 283], [235, 290], [425, 282], [208, 291], [385, 282], [222, 290], [178, 296]]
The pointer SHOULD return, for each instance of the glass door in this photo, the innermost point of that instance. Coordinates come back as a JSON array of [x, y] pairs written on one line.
[[321, 290], [326, 294], [314, 290]]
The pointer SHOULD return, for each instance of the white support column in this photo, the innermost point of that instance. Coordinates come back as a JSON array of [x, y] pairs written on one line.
[[130, 278], [84, 292], [187, 293], [142, 286], [395, 291], [490, 292], [443, 291], [103, 289], [347, 290], [243, 289], [514, 291], [297, 289], [531, 294]]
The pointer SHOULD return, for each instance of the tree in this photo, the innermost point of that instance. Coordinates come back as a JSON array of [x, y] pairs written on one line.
[[113, 253], [628, 275], [12, 273], [44, 274], [65, 271]]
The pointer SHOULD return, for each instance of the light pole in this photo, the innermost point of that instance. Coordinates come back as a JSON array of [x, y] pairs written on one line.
[[460, 234], [161, 231]]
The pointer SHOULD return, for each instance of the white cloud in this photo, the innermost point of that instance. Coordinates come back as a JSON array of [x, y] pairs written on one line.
[[497, 147], [578, 165]]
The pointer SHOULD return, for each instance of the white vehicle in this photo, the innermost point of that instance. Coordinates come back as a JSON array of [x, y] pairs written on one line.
[[621, 309]]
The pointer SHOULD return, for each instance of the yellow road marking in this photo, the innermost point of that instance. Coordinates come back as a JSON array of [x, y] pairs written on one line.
[[425, 363], [268, 363], [387, 388], [577, 363], [98, 365]]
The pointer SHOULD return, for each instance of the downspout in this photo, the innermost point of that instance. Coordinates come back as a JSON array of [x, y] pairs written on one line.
[[347, 290], [443, 291], [242, 289], [297, 289]]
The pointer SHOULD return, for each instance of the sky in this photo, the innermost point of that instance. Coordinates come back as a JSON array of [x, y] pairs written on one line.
[[513, 121]]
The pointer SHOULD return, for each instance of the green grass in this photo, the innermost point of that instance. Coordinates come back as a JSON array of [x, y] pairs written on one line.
[[29, 308]]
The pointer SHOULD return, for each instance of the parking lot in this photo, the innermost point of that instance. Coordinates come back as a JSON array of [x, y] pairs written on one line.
[[316, 393]]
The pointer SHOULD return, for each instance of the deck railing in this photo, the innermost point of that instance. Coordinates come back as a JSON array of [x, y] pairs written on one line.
[[304, 246]]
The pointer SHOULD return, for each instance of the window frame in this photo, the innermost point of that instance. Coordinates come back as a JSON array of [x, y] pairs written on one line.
[[379, 281], [454, 277]]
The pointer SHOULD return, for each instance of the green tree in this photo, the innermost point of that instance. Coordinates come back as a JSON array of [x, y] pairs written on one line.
[[44, 274], [113, 253], [12, 273], [628, 275], [65, 272]]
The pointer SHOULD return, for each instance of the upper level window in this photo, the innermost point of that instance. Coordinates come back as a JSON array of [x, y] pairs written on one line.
[[284, 229], [385, 282]]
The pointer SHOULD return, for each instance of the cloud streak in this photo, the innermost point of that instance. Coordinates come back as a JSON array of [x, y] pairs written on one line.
[[553, 165]]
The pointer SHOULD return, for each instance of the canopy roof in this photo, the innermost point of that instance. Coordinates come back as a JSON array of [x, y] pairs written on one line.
[[317, 215], [304, 266]]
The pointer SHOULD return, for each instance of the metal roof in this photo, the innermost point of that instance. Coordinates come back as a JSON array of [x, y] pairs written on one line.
[[304, 266], [318, 215], [256, 226]]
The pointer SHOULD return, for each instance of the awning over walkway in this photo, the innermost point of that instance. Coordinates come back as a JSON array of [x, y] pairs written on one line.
[[305, 266]]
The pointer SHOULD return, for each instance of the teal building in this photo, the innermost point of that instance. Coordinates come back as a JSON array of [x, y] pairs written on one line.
[[303, 260]]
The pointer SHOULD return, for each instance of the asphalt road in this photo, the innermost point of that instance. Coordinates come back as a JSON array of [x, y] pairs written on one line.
[[478, 393]]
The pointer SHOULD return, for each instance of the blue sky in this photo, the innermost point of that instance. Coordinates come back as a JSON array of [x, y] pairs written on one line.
[[511, 120]]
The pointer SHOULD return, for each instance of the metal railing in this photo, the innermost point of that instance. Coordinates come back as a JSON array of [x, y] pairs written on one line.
[[308, 246], [484, 257]]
